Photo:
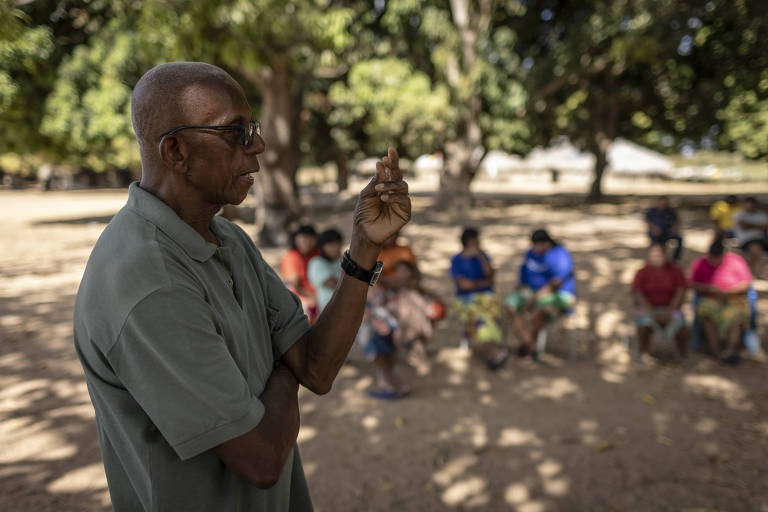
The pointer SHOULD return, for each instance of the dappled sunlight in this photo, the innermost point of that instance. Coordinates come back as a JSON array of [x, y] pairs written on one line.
[[518, 437], [557, 388], [559, 435], [720, 388]]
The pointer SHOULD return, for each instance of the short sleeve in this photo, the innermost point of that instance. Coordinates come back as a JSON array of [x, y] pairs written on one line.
[[456, 268], [637, 283], [559, 262], [291, 264], [174, 363], [680, 281], [696, 271], [287, 321], [714, 211], [741, 269]]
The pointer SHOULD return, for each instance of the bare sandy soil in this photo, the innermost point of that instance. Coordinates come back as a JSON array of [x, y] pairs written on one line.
[[597, 433]]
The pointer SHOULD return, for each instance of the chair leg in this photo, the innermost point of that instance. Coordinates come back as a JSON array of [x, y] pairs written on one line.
[[541, 340]]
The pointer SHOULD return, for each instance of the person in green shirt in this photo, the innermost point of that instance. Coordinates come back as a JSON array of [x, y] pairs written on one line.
[[192, 347]]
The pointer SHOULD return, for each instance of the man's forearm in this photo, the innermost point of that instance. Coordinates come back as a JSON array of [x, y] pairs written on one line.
[[259, 455], [327, 343]]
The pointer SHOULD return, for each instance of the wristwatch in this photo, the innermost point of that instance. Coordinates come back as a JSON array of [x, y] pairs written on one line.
[[353, 269]]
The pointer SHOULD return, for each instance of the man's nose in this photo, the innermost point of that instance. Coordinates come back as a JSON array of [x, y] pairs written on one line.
[[257, 147]]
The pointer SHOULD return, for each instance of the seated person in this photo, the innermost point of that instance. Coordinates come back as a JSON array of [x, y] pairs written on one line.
[[293, 267], [722, 213], [751, 226], [379, 336], [722, 278], [658, 291], [478, 307], [546, 289], [392, 253], [411, 308], [664, 225], [324, 270]]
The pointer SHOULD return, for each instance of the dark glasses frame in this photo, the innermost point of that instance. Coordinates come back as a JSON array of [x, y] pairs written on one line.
[[247, 132]]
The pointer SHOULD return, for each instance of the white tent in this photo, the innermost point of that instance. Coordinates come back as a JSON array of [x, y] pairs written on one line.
[[563, 156], [626, 157], [496, 162]]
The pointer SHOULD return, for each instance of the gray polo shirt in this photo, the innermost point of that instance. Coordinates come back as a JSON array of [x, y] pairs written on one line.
[[177, 339]]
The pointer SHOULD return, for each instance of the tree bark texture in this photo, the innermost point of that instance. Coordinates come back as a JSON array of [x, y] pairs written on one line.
[[282, 98]]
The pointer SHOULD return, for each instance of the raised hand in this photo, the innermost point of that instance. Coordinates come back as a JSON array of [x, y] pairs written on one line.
[[384, 206]]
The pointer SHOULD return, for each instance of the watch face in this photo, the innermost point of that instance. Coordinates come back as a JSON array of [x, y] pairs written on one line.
[[376, 273]]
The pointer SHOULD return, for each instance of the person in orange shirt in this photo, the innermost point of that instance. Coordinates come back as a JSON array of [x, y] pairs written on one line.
[[391, 254], [294, 268]]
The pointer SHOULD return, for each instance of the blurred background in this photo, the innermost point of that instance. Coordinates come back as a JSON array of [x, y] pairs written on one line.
[[670, 89], [509, 116]]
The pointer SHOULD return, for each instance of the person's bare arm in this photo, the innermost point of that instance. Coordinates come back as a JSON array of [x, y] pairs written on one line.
[[258, 456], [739, 289], [382, 210], [641, 301], [706, 288], [677, 300]]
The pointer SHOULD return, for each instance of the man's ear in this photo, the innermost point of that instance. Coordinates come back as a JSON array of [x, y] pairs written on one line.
[[174, 153]]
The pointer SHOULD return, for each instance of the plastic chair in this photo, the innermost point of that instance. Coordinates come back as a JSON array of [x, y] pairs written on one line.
[[543, 336]]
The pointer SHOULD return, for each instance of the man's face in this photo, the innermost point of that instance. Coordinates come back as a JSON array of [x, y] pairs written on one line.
[[663, 203], [541, 247], [750, 206], [220, 167]]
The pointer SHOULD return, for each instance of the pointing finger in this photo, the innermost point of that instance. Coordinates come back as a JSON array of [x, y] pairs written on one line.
[[395, 159], [381, 173]]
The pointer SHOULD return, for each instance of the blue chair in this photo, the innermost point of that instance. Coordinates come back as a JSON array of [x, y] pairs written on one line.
[[750, 339]]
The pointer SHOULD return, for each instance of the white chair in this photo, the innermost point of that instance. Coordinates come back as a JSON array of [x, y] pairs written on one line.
[[552, 325]]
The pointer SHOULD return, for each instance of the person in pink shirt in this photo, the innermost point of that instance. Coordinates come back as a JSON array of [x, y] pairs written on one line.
[[722, 278]]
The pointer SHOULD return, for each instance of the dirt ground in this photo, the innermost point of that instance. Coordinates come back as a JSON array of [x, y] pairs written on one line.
[[595, 433]]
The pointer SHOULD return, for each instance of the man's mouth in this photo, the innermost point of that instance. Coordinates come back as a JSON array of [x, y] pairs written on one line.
[[247, 176]]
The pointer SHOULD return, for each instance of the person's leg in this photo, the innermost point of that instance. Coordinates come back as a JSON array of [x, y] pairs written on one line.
[[681, 340], [712, 336], [514, 307], [539, 317], [644, 338], [521, 332], [678, 247]]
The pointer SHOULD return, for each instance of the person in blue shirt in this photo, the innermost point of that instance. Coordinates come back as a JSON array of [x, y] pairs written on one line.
[[546, 289], [664, 225], [477, 304]]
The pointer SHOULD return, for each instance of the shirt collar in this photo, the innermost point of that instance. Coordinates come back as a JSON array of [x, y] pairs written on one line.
[[161, 215]]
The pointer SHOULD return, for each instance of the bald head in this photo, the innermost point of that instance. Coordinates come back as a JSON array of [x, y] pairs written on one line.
[[173, 94]]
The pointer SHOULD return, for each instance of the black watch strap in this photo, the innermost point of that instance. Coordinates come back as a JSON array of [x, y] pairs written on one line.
[[353, 269]]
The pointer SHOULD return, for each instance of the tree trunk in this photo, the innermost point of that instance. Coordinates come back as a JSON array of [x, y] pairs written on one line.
[[282, 99], [606, 117], [342, 172], [463, 156], [601, 162], [460, 169]]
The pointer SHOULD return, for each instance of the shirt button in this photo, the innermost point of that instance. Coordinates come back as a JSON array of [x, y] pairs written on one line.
[[231, 283]]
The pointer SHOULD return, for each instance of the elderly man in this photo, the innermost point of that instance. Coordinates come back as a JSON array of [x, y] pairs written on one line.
[[193, 349]]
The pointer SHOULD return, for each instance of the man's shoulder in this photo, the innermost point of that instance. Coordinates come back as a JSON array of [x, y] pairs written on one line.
[[131, 260]]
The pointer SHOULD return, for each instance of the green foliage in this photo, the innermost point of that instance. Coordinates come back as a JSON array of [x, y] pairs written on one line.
[[391, 102]]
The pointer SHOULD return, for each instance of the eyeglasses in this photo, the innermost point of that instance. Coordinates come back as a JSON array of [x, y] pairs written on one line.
[[247, 133]]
